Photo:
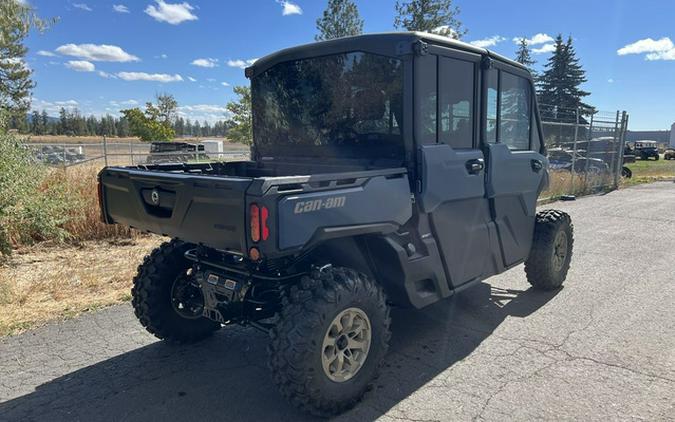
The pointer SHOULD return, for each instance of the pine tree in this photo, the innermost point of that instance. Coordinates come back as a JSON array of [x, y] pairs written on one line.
[[44, 121], [560, 84], [340, 19], [436, 16], [523, 55], [63, 122], [241, 129], [16, 20], [35, 123]]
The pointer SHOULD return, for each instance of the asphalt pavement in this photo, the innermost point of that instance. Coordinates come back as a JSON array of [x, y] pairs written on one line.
[[601, 348]]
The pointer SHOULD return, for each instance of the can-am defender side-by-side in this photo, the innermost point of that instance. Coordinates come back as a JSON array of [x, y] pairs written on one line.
[[386, 170]]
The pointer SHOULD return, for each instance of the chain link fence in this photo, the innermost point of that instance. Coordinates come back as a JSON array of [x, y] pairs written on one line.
[[585, 149], [111, 153]]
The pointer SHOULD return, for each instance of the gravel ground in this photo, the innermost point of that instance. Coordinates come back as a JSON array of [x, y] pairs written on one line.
[[602, 348]]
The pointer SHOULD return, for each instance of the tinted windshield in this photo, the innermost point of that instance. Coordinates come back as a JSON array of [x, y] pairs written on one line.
[[345, 105]]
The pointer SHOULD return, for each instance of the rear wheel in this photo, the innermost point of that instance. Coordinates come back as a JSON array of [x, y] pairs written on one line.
[[546, 267], [332, 335], [166, 299]]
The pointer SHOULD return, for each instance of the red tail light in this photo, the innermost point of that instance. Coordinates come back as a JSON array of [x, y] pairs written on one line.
[[264, 214], [254, 216]]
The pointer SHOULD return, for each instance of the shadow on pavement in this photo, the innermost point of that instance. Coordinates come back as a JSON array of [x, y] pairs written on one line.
[[225, 378]]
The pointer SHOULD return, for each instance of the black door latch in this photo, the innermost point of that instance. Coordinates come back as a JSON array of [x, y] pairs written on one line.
[[475, 166]]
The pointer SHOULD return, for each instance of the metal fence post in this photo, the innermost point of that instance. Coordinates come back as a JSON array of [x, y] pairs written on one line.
[[105, 151], [622, 141], [615, 151], [588, 147], [131, 153], [574, 151]]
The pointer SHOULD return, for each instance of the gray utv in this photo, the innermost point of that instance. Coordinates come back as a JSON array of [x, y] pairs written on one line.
[[386, 170]]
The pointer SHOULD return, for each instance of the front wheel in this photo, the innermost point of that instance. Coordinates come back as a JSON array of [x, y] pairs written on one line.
[[331, 338], [546, 267]]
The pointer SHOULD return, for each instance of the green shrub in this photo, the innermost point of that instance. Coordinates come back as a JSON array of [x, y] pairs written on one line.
[[30, 209]]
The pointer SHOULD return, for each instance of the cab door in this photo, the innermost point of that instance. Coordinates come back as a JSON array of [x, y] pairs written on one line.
[[452, 165], [516, 167]]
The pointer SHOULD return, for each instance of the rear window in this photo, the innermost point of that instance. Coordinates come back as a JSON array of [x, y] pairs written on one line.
[[344, 105]]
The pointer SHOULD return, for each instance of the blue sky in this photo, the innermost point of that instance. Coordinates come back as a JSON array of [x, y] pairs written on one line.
[[105, 55]]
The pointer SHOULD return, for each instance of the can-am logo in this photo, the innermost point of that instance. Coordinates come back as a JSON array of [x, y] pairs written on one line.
[[154, 197], [319, 204]]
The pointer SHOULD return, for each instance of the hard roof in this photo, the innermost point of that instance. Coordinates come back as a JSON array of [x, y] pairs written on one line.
[[386, 41]]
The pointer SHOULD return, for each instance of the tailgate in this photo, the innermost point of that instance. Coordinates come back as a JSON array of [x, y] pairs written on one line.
[[198, 209]]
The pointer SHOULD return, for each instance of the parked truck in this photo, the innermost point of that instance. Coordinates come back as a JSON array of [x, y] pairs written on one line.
[[386, 170]]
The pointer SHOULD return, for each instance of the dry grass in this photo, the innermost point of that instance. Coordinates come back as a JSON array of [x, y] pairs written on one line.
[[561, 183], [49, 282], [84, 222]]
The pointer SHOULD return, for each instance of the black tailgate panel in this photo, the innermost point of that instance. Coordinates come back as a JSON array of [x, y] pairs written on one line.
[[194, 208]]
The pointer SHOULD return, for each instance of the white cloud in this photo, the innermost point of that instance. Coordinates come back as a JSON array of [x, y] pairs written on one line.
[[82, 6], [537, 39], [209, 112], [242, 64], [192, 79], [173, 13], [488, 42], [80, 66], [445, 31], [52, 107], [610, 81], [120, 8], [647, 45], [155, 77], [163, 56], [210, 79], [94, 52], [662, 55], [70, 103], [205, 62], [289, 8], [106, 75], [224, 84], [46, 53], [661, 49], [546, 48], [122, 103]]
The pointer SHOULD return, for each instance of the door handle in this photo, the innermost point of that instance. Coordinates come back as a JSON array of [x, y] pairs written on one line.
[[537, 165], [475, 166]]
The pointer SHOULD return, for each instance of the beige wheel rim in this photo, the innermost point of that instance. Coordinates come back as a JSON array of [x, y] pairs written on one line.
[[559, 250], [346, 345]]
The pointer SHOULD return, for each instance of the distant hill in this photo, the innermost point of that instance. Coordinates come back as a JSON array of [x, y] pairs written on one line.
[[50, 119]]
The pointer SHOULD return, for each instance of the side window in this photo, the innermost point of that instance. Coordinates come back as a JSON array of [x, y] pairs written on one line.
[[456, 102], [492, 89], [427, 106], [515, 112]]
